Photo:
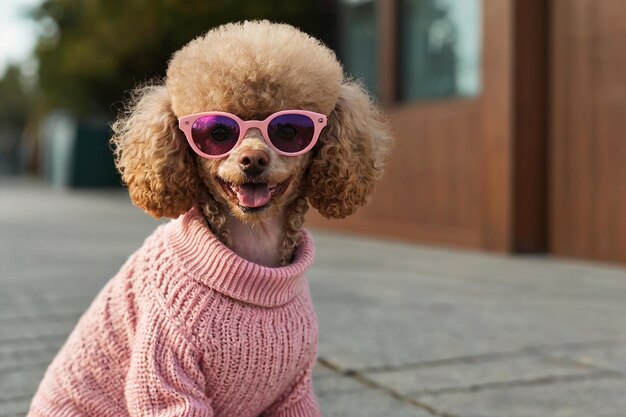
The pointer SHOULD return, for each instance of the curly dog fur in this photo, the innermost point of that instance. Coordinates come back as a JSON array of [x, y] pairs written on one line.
[[251, 69]]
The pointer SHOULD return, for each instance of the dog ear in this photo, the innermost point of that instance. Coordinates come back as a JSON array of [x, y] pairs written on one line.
[[152, 155], [351, 156]]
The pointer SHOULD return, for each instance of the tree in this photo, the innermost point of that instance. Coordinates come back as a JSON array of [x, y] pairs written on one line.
[[15, 106], [95, 50], [14, 100]]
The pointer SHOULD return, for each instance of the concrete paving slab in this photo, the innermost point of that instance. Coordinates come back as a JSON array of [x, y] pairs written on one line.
[[41, 327], [591, 398], [330, 386], [18, 384], [375, 311], [368, 403], [473, 376], [28, 356], [364, 332], [612, 356], [14, 407]]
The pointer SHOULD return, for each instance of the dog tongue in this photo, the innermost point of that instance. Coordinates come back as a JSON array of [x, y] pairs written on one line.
[[253, 195]]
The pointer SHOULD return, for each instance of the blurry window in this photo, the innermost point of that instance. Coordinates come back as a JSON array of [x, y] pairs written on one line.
[[439, 48], [359, 40]]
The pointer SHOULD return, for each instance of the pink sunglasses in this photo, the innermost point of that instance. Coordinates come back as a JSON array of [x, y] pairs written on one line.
[[215, 134]]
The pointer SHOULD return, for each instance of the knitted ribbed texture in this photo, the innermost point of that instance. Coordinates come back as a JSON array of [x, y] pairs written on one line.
[[188, 328]]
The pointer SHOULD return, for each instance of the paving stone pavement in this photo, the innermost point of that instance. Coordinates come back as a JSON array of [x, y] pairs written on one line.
[[405, 330]]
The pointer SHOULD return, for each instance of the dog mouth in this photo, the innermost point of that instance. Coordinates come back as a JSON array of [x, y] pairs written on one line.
[[254, 196]]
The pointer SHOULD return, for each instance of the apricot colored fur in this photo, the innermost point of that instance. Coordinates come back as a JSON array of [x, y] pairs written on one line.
[[251, 69]]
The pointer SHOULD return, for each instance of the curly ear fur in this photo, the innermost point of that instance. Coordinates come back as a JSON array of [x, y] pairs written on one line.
[[152, 154], [352, 156]]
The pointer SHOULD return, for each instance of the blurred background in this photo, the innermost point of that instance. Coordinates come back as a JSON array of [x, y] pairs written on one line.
[[509, 115]]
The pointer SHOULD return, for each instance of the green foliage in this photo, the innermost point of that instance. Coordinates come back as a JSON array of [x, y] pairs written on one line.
[[14, 100], [95, 50]]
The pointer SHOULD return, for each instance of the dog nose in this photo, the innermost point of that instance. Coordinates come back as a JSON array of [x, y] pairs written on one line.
[[253, 161]]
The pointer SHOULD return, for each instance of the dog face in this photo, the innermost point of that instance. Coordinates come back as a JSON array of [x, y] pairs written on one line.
[[251, 70], [253, 181], [268, 68]]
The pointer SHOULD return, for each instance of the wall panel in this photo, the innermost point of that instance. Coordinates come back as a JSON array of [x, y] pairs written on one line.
[[449, 178], [588, 152]]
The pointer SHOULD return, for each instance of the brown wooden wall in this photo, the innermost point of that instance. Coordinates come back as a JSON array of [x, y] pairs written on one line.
[[432, 187], [530, 132], [449, 178], [588, 113], [537, 162]]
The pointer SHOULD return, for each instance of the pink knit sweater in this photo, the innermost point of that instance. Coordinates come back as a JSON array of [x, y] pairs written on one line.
[[188, 328]]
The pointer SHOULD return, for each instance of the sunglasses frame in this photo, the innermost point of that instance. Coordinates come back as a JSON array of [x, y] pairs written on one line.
[[319, 120]]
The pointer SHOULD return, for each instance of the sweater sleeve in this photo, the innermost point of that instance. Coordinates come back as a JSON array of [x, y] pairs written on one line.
[[164, 377], [298, 401]]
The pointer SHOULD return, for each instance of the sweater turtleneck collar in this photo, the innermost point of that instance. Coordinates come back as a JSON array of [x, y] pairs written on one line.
[[210, 262]]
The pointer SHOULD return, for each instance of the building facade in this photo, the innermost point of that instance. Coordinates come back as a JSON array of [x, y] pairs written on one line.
[[509, 118]]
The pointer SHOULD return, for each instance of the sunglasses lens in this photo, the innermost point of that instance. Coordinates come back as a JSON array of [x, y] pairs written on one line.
[[215, 135], [291, 133]]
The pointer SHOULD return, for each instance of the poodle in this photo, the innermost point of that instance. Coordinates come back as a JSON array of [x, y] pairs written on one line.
[[212, 316]]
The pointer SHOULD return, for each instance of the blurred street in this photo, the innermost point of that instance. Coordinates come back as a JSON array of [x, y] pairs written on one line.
[[405, 330]]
